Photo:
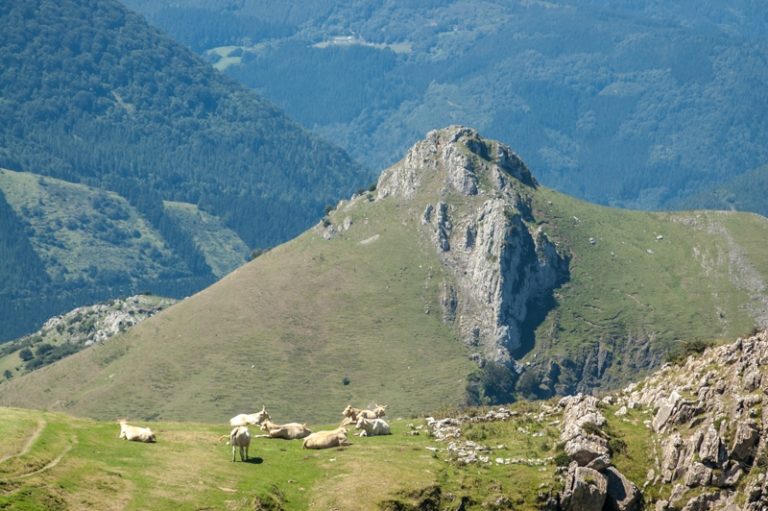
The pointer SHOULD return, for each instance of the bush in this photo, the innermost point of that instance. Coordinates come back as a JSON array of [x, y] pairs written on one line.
[[493, 384], [617, 445], [26, 354], [561, 459]]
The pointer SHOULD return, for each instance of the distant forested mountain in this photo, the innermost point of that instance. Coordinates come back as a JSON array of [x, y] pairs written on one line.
[[98, 96], [138, 130], [629, 103], [745, 192]]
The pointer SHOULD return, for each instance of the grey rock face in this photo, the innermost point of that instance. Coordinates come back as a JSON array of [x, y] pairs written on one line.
[[581, 416], [585, 489], [745, 442], [710, 440], [501, 264], [622, 494]]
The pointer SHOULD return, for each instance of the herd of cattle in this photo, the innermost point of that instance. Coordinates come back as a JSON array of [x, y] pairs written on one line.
[[369, 422]]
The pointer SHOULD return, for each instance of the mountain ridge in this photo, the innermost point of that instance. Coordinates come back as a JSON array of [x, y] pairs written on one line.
[[360, 307]]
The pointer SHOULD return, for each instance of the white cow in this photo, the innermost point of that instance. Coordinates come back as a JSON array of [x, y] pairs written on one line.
[[326, 439], [245, 419], [372, 427], [289, 431], [240, 438], [378, 411], [135, 433]]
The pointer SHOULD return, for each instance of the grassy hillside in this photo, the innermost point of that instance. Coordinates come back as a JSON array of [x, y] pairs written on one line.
[[291, 327], [53, 461], [221, 247], [350, 312], [73, 244], [698, 274], [69, 333], [80, 232]]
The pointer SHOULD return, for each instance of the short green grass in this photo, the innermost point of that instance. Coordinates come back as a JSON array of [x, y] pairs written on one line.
[[75, 463], [663, 276]]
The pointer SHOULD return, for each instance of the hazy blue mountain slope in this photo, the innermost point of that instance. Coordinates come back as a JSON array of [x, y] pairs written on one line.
[[99, 96], [93, 95], [66, 244], [623, 103], [745, 192]]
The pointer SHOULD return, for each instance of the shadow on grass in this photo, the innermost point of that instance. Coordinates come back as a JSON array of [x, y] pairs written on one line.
[[254, 460]]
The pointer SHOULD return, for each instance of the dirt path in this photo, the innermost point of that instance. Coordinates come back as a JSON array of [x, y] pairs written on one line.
[[29, 443], [51, 464]]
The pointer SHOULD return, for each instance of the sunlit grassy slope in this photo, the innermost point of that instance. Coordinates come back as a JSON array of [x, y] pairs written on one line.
[[665, 276], [53, 461], [289, 328], [317, 323]]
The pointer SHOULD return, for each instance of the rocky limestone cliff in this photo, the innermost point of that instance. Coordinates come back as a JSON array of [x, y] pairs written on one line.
[[707, 427], [709, 423], [477, 213]]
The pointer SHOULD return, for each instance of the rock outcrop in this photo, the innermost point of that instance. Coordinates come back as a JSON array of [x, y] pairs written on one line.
[[478, 216], [592, 482], [708, 422], [85, 326]]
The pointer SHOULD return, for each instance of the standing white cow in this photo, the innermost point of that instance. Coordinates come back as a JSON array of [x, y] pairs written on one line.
[[245, 419], [240, 438]]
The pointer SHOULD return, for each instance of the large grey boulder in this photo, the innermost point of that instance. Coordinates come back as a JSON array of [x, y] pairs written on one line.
[[622, 494], [665, 410], [745, 442], [581, 417], [712, 451], [585, 490]]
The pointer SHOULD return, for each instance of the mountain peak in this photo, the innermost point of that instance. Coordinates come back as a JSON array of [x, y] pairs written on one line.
[[466, 162], [476, 197]]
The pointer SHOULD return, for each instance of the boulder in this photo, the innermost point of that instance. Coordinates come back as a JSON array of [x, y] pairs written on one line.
[[586, 489], [622, 494], [711, 451], [698, 475], [584, 448], [665, 410], [745, 442]]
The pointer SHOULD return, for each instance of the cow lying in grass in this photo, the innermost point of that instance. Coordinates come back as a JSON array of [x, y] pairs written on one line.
[[135, 433], [378, 411], [289, 431], [245, 419], [372, 427], [326, 439], [240, 438], [352, 414]]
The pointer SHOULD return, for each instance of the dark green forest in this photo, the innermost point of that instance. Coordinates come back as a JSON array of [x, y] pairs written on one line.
[[99, 97], [92, 94]]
